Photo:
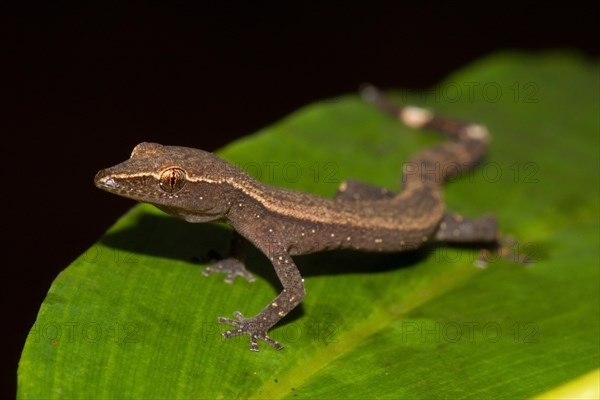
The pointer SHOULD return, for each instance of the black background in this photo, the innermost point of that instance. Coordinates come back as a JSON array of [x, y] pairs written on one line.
[[84, 84]]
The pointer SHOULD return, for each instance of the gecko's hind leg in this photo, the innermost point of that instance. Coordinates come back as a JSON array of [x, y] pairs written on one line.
[[455, 228], [234, 265]]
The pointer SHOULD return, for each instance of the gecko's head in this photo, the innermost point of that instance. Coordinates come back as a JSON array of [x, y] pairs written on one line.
[[185, 182]]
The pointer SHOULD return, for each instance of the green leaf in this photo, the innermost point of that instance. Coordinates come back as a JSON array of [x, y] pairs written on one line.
[[133, 317]]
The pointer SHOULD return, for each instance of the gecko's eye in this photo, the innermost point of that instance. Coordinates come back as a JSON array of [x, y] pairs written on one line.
[[172, 180]]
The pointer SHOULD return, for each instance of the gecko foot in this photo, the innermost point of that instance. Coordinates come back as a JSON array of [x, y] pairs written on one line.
[[232, 267], [507, 249], [251, 327]]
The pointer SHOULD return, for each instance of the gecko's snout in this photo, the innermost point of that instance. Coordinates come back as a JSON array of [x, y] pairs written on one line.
[[103, 180]]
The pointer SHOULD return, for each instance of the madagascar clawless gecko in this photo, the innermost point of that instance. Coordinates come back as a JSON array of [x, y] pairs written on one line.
[[200, 187]]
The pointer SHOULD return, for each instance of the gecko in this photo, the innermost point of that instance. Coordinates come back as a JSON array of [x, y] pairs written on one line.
[[199, 187]]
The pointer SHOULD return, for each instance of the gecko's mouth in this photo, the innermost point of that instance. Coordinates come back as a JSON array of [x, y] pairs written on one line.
[[103, 179], [104, 182]]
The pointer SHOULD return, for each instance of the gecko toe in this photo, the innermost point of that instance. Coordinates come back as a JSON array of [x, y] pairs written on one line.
[[232, 267], [276, 345], [231, 333], [248, 326], [254, 343]]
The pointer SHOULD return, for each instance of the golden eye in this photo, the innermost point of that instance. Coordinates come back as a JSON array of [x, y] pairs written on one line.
[[172, 180]]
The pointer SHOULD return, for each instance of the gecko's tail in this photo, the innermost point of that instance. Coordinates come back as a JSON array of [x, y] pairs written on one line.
[[467, 145]]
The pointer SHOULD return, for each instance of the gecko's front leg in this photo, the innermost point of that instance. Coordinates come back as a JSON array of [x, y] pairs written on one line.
[[234, 265], [293, 292]]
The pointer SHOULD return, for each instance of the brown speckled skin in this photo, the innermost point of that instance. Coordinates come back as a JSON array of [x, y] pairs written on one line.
[[200, 187]]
